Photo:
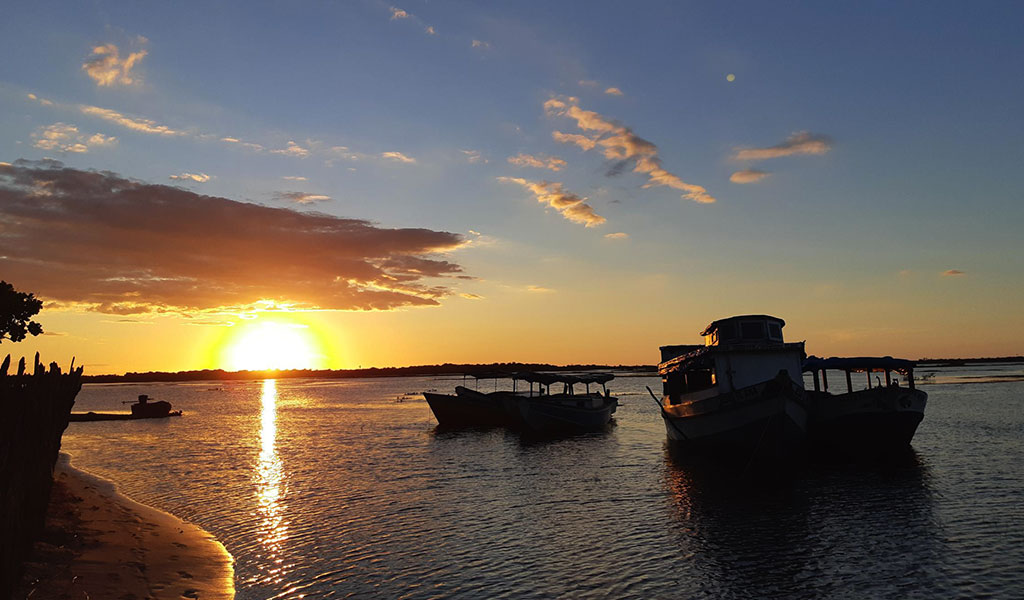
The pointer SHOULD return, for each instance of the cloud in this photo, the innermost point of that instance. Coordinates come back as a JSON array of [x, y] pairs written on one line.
[[617, 236], [618, 143], [613, 91], [473, 156], [398, 156], [541, 162], [294, 178], [481, 45], [301, 197], [748, 176], [953, 273], [292, 149], [430, 30], [133, 123], [62, 137], [802, 142], [42, 101], [197, 177], [397, 13], [97, 241], [570, 205], [107, 68], [469, 296], [249, 145], [538, 289]]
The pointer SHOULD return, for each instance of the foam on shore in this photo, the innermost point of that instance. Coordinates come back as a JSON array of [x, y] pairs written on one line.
[[106, 545]]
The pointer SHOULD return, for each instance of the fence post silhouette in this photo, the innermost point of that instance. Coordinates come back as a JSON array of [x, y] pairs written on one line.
[[34, 411]]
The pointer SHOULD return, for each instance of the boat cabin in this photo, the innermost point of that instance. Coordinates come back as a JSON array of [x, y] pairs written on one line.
[[738, 352], [819, 368], [544, 381]]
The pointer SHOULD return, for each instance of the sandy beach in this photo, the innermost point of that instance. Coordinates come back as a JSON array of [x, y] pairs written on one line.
[[100, 544]]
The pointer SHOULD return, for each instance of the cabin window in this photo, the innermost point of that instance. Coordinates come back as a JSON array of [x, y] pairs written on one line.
[[674, 386], [775, 331], [725, 332], [700, 380], [752, 330]]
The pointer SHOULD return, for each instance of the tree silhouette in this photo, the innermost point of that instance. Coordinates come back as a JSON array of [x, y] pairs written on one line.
[[16, 308]]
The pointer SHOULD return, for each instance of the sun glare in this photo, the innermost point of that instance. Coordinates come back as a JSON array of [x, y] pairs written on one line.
[[265, 345]]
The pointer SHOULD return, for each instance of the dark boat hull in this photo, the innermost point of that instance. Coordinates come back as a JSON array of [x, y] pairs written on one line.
[[867, 423], [467, 410], [553, 415]]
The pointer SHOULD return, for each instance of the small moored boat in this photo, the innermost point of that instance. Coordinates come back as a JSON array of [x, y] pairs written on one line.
[[868, 422], [567, 411], [473, 408]]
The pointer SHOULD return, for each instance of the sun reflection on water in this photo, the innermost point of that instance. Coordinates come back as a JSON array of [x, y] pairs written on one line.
[[269, 481]]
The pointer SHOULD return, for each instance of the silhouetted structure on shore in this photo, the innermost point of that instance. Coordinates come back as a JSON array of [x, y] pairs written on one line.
[[34, 410]]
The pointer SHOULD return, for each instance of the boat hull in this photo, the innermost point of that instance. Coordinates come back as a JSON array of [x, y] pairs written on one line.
[[867, 423], [468, 409], [768, 419], [573, 413]]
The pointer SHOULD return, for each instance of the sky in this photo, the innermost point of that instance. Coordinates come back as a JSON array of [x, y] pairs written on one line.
[[355, 184]]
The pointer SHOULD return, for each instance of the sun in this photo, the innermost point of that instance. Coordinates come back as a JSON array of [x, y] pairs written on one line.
[[266, 345]]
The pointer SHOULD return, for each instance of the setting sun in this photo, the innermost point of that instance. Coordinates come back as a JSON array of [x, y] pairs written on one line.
[[262, 345]]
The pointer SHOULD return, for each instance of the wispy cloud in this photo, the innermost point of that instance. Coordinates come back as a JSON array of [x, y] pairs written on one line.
[[538, 289], [748, 176], [397, 13], [129, 247], [618, 143], [571, 206], [613, 91], [802, 142], [197, 177], [62, 137], [430, 30], [42, 101], [292, 149], [473, 156], [953, 273], [584, 142], [397, 156], [294, 178], [250, 145], [107, 68], [617, 236], [481, 44], [552, 163], [134, 123], [469, 296], [301, 197]]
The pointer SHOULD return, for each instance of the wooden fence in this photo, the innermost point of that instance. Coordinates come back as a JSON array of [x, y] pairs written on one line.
[[34, 410]]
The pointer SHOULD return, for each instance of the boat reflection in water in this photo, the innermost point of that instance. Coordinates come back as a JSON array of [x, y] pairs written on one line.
[[268, 479], [825, 531]]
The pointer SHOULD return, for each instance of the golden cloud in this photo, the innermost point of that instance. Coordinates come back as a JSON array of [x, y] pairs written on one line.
[[613, 91], [398, 156], [748, 176], [397, 13], [127, 247], [62, 137], [107, 68], [133, 123], [552, 163], [197, 177], [571, 206], [292, 149], [620, 144], [953, 273], [617, 236], [301, 197]]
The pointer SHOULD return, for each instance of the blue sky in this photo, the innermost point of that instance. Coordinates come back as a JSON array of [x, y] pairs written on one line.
[[904, 218]]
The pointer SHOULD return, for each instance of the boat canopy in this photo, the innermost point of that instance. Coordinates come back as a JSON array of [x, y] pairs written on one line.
[[859, 363], [703, 356], [549, 378]]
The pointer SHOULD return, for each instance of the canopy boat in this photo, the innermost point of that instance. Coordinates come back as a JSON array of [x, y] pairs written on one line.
[[865, 422], [473, 408], [740, 394], [567, 411]]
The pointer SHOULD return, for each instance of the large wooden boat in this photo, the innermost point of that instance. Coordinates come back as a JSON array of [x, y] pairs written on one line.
[[740, 394], [867, 422], [472, 408]]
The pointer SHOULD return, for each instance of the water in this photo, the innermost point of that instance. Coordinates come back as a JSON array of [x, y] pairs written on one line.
[[332, 488]]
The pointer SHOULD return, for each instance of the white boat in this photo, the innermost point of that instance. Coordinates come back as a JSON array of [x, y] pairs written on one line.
[[741, 393], [869, 422]]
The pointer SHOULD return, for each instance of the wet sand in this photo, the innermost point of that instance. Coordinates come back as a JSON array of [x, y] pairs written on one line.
[[100, 544]]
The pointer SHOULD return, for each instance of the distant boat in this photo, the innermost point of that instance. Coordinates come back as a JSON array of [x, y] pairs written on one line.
[[740, 394], [141, 409], [472, 408], [864, 423], [566, 411]]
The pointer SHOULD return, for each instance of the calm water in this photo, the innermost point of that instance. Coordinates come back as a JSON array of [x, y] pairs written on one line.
[[333, 488]]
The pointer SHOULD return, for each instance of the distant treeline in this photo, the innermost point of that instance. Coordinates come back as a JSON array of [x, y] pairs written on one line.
[[415, 371], [957, 362]]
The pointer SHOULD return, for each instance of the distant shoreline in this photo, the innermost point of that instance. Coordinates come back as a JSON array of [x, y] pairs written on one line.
[[434, 370]]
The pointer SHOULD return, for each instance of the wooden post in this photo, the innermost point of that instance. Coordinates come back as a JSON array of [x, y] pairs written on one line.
[[910, 378], [888, 378], [869, 378], [817, 386], [824, 379], [849, 382]]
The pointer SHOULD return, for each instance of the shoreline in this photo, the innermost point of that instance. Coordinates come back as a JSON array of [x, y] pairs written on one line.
[[98, 543]]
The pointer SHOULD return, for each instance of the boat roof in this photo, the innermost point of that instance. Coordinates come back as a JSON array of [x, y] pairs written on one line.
[[549, 378], [702, 357], [714, 324], [858, 363]]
